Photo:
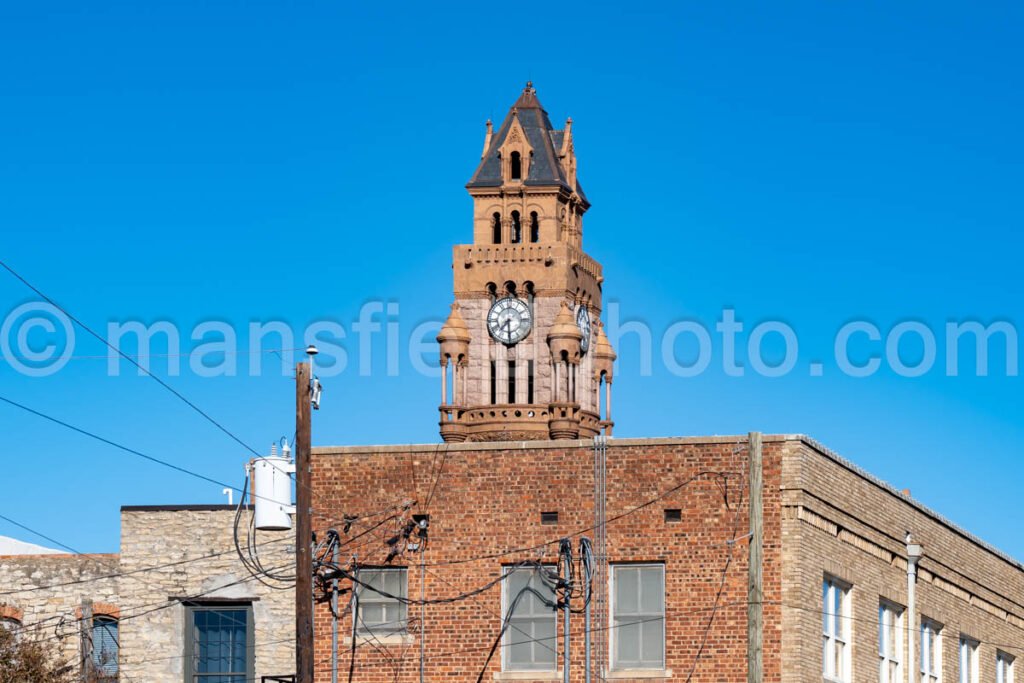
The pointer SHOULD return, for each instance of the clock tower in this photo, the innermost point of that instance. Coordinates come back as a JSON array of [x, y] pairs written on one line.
[[523, 353]]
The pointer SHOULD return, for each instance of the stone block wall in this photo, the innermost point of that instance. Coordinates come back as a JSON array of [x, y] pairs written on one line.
[[196, 545], [45, 593]]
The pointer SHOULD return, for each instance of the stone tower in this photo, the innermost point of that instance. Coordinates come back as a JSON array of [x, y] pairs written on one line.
[[523, 353]]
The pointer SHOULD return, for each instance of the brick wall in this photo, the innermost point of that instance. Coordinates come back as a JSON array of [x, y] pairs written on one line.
[[839, 521], [488, 499]]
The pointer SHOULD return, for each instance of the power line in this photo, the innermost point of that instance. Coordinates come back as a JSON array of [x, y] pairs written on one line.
[[128, 358], [40, 534], [140, 570], [140, 454]]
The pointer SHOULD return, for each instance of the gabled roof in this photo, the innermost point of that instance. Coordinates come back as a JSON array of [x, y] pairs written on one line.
[[546, 142]]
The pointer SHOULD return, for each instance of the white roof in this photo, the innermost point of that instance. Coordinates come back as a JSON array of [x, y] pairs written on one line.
[[12, 546]]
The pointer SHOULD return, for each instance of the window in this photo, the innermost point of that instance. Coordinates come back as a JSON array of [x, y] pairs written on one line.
[[638, 617], [968, 660], [511, 381], [1004, 668], [496, 228], [529, 382], [11, 625], [836, 630], [517, 228], [380, 614], [534, 227], [529, 605], [219, 643], [516, 163], [105, 646], [931, 652], [890, 643], [494, 383]]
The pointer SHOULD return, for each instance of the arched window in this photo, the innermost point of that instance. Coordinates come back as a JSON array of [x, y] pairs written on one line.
[[516, 162], [104, 646], [517, 228], [534, 227], [496, 228], [11, 625]]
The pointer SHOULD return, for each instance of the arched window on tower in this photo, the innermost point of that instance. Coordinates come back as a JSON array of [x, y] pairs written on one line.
[[516, 164], [517, 228], [496, 228], [534, 227]]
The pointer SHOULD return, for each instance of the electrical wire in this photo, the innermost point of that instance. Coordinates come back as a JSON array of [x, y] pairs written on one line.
[[39, 534], [128, 358]]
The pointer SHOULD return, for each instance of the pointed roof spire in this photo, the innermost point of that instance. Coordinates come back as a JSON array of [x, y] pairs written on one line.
[[546, 144]]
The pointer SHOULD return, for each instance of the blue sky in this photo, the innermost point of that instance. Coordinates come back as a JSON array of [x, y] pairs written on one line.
[[813, 163]]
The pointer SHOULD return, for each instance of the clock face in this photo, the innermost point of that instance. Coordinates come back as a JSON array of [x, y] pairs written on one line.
[[509, 320], [583, 320]]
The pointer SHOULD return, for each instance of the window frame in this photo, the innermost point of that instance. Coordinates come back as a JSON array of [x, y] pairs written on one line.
[[188, 668], [887, 612], [506, 649], [364, 594], [841, 623], [968, 649], [613, 664], [933, 645]]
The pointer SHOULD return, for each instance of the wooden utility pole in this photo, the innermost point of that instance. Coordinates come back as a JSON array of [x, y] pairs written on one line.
[[86, 645], [303, 529], [755, 569]]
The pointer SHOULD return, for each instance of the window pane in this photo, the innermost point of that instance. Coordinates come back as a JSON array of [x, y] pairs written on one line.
[[827, 607], [530, 636], [627, 589], [653, 650], [627, 639], [544, 647], [652, 590]]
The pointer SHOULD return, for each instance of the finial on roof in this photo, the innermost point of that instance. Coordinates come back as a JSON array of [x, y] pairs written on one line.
[[529, 85], [490, 125]]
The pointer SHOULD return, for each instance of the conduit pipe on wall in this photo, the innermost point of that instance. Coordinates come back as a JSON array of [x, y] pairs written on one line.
[[914, 552]]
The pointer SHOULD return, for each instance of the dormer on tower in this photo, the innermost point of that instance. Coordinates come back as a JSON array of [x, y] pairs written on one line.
[[515, 153], [517, 353]]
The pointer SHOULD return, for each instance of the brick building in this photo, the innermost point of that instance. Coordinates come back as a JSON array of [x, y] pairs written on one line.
[[526, 461], [679, 507]]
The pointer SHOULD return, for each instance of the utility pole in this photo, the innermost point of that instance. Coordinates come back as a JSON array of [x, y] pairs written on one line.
[[755, 569], [86, 645], [303, 528]]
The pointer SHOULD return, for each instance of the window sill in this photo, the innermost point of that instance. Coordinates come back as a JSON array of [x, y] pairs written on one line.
[[639, 673], [528, 675], [390, 639]]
